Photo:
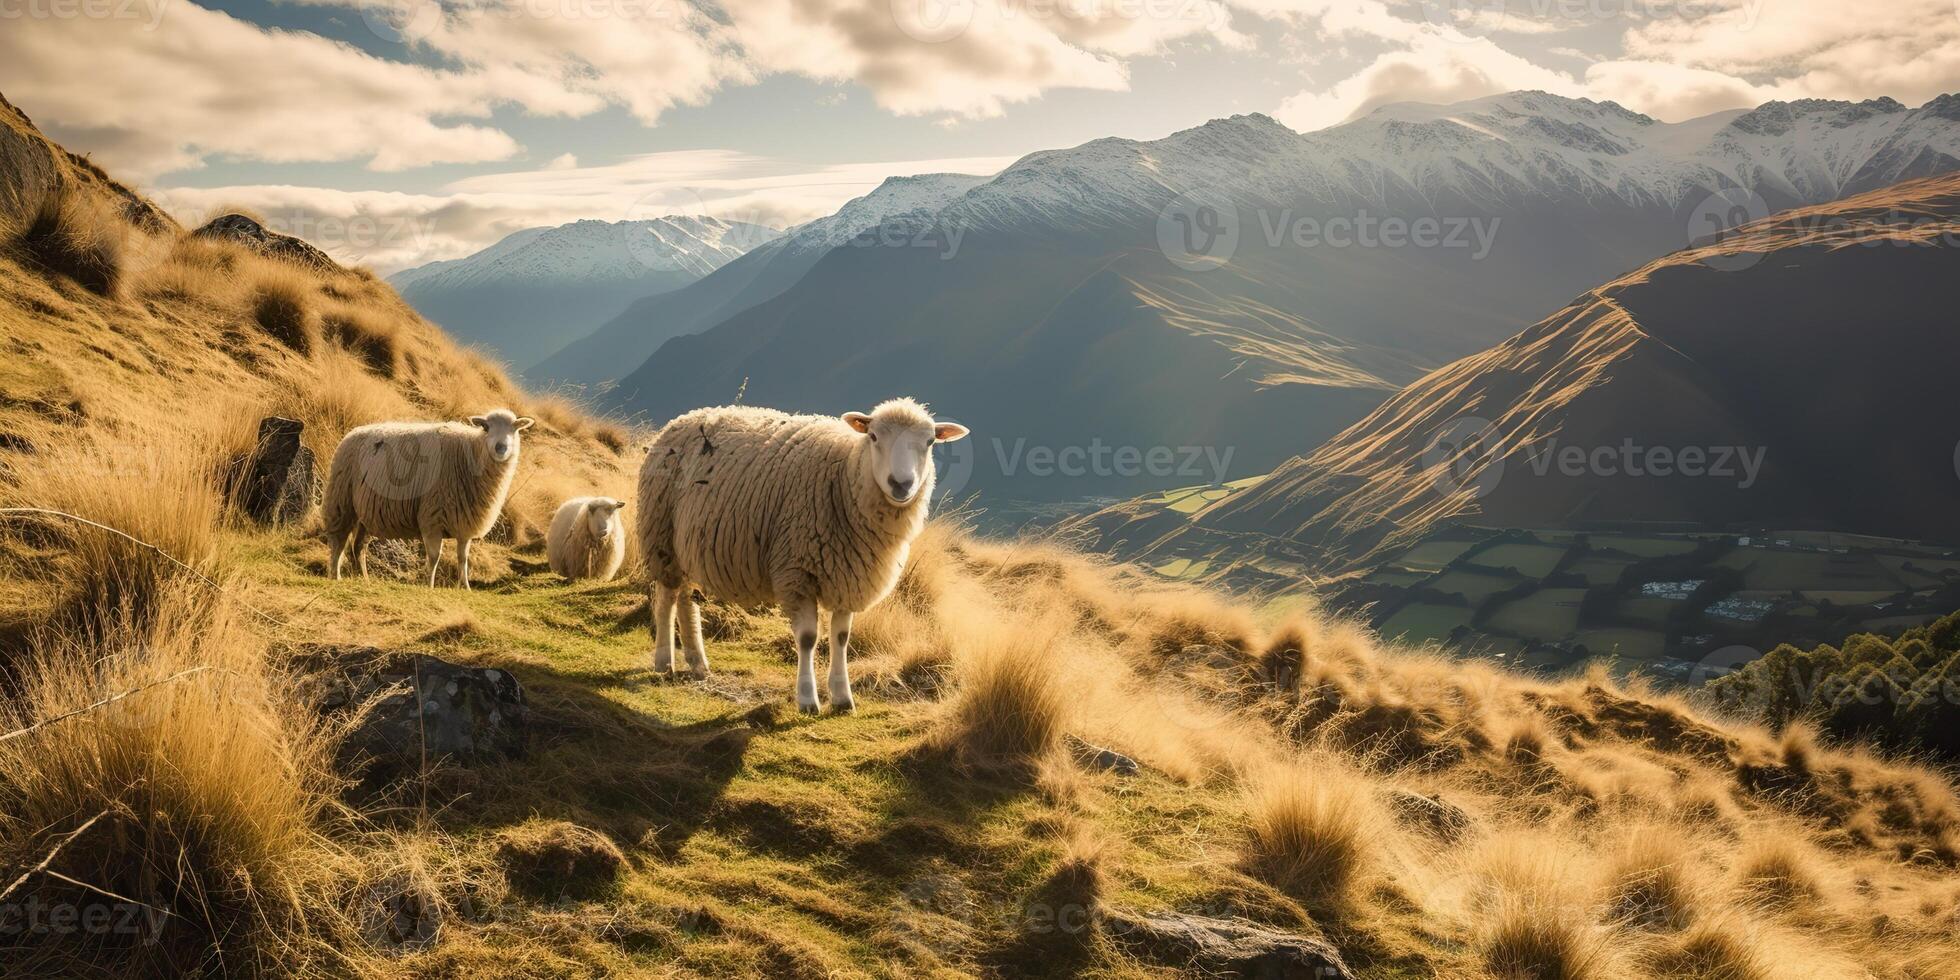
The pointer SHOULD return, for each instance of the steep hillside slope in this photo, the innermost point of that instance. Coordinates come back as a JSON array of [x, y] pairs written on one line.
[[542, 288], [1791, 375], [1241, 286]]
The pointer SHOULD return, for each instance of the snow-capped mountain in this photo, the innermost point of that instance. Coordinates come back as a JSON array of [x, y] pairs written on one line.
[[1355, 259], [630, 338], [1516, 149], [539, 288]]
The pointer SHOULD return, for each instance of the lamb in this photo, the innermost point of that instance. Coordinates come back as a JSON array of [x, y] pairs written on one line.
[[427, 480], [755, 506], [585, 540]]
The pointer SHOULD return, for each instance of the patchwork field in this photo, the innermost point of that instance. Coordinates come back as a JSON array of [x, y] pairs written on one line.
[[1656, 603]]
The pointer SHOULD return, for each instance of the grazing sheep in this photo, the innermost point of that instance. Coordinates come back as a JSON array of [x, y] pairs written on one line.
[[421, 480], [585, 540], [755, 506]]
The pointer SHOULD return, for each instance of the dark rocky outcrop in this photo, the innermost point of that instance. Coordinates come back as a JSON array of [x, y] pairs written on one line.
[[418, 713], [1225, 947], [257, 237], [277, 481]]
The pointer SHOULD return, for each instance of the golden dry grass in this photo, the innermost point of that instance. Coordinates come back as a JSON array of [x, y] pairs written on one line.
[[1431, 817]]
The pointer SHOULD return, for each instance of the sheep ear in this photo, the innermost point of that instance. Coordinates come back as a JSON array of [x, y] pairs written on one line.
[[948, 432], [479, 421], [858, 421], [525, 422]]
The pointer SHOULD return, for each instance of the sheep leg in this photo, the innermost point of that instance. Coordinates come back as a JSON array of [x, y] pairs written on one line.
[[690, 626], [360, 550], [335, 545], [661, 609], [840, 661], [803, 625], [432, 551], [463, 563]]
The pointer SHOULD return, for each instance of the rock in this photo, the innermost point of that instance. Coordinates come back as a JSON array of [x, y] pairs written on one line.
[[258, 238], [277, 484], [1225, 947], [467, 716], [1434, 816], [29, 172], [1097, 757]]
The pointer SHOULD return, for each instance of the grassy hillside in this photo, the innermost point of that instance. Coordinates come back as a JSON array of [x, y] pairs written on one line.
[[159, 751], [1770, 343]]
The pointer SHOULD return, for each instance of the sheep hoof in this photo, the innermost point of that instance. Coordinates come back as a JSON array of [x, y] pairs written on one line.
[[844, 707], [809, 709], [698, 673]]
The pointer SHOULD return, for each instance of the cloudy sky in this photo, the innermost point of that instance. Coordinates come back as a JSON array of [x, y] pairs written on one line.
[[400, 131]]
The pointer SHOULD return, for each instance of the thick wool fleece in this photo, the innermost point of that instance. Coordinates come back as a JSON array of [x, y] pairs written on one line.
[[572, 549], [416, 481], [754, 505]]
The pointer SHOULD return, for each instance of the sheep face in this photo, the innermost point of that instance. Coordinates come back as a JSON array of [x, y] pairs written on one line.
[[899, 452], [600, 515], [500, 432]]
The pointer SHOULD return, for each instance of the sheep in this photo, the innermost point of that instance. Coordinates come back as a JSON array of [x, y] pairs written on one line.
[[585, 540], [426, 480], [755, 505]]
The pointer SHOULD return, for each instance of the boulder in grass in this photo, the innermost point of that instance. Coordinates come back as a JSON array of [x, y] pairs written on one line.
[[417, 713], [1225, 947]]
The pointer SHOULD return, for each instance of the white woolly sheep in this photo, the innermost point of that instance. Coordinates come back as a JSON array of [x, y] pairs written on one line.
[[585, 540], [422, 481], [754, 505]]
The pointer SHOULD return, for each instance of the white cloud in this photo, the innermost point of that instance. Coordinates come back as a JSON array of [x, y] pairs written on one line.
[[147, 101], [390, 231], [1432, 69], [1908, 49]]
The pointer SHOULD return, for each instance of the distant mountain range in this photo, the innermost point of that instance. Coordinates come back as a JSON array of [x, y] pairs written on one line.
[[1795, 374], [626, 341], [539, 289], [1234, 286]]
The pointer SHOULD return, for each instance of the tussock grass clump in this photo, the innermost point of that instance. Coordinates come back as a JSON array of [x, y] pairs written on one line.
[[373, 338], [1650, 880], [1527, 940], [1778, 872], [1312, 831], [282, 306], [80, 237], [1009, 709], [205, 782], [557, 859], [1727, 950], [163, 490]]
